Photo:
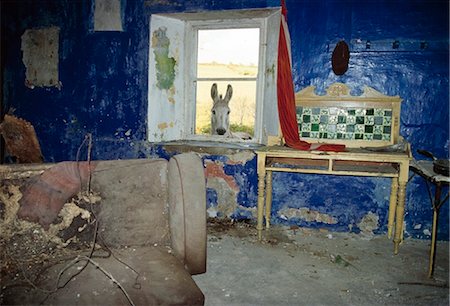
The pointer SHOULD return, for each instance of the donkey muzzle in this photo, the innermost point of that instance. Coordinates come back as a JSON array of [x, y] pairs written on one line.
[[221, 131]]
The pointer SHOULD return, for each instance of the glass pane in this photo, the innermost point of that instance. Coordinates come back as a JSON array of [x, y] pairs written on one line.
[[242, 106], [228, 53]]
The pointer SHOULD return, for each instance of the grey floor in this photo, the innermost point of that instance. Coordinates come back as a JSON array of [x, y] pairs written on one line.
[[314, 267]]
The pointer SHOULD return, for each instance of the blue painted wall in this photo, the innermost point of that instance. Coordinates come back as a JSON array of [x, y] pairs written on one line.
[[104, 78]]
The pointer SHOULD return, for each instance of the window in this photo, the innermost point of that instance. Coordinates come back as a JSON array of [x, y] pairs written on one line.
[[227, 56], [189, 52]]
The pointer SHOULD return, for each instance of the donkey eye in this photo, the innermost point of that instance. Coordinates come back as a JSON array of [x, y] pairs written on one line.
[[228, 112], [214, 112]]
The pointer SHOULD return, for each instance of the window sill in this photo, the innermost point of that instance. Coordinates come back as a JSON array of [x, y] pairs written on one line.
[[207, 147]]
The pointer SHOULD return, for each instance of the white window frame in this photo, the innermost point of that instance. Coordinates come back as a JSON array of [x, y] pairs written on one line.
[[178, 116]]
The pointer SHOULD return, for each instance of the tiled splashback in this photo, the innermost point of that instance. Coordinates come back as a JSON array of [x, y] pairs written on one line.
[[344, 123]]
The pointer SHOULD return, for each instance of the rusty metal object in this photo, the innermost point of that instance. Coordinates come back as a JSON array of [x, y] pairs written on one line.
[[20, 139]]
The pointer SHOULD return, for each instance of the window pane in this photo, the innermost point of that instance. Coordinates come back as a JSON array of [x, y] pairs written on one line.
[[228, 53], [242, 106]]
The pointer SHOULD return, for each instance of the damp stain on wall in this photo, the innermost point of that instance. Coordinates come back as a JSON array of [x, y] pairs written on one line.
[[307, 215], [165, 65]]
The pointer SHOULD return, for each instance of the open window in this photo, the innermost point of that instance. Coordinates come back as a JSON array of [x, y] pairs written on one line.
[[189, 52]]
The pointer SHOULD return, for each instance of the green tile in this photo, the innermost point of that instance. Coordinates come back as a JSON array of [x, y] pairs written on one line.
[[306, 127], [359, 119], [349, 136], [341, 128], [323, 118], [379, 112], [378, 120], [368, 129], [351, 119], [360, 112], [343, 123], [342, 112], [333, 110], [333, 119], [368, 136], [331, 128], [359, 128]]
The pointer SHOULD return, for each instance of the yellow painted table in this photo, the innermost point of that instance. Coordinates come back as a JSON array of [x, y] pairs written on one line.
[[353, 162]]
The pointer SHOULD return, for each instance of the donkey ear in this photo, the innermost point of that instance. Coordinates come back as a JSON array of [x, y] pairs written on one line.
[[214, 91], [229, 93]]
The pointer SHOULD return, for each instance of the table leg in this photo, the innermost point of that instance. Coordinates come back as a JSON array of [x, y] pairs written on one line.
[[437, 201], [392, 206], [268, 197], [261, 178], [400, 211]]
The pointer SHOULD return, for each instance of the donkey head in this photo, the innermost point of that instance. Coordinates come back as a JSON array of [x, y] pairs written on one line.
[[220, 122]]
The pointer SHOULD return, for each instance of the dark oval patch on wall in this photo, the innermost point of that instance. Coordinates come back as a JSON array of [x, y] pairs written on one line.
[[340, 58]]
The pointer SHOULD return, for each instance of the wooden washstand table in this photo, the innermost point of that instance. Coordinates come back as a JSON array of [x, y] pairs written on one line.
[[354, 162], [367, 124]]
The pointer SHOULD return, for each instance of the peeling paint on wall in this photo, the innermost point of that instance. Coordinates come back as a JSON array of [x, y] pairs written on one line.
[[306, 214], [225, 187], [165, 125], [165, 65], [240, 157], [40, 49], [226, 197], [107, 15], [215, 170], [369, 223]]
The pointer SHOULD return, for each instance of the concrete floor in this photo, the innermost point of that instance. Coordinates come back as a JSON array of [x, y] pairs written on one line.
[[315, 267]]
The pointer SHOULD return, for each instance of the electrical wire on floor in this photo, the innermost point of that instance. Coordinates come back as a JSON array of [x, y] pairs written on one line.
[[88, 259]]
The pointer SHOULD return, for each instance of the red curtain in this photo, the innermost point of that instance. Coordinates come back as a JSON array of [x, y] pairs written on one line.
[[286, 95]]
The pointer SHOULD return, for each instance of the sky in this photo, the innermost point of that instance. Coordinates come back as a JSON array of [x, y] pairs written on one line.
[[237, 46]]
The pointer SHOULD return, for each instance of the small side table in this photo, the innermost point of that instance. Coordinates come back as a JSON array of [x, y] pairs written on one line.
[[425, 169]]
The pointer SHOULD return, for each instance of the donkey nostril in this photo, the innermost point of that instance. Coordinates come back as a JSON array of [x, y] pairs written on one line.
[[220, 131]]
